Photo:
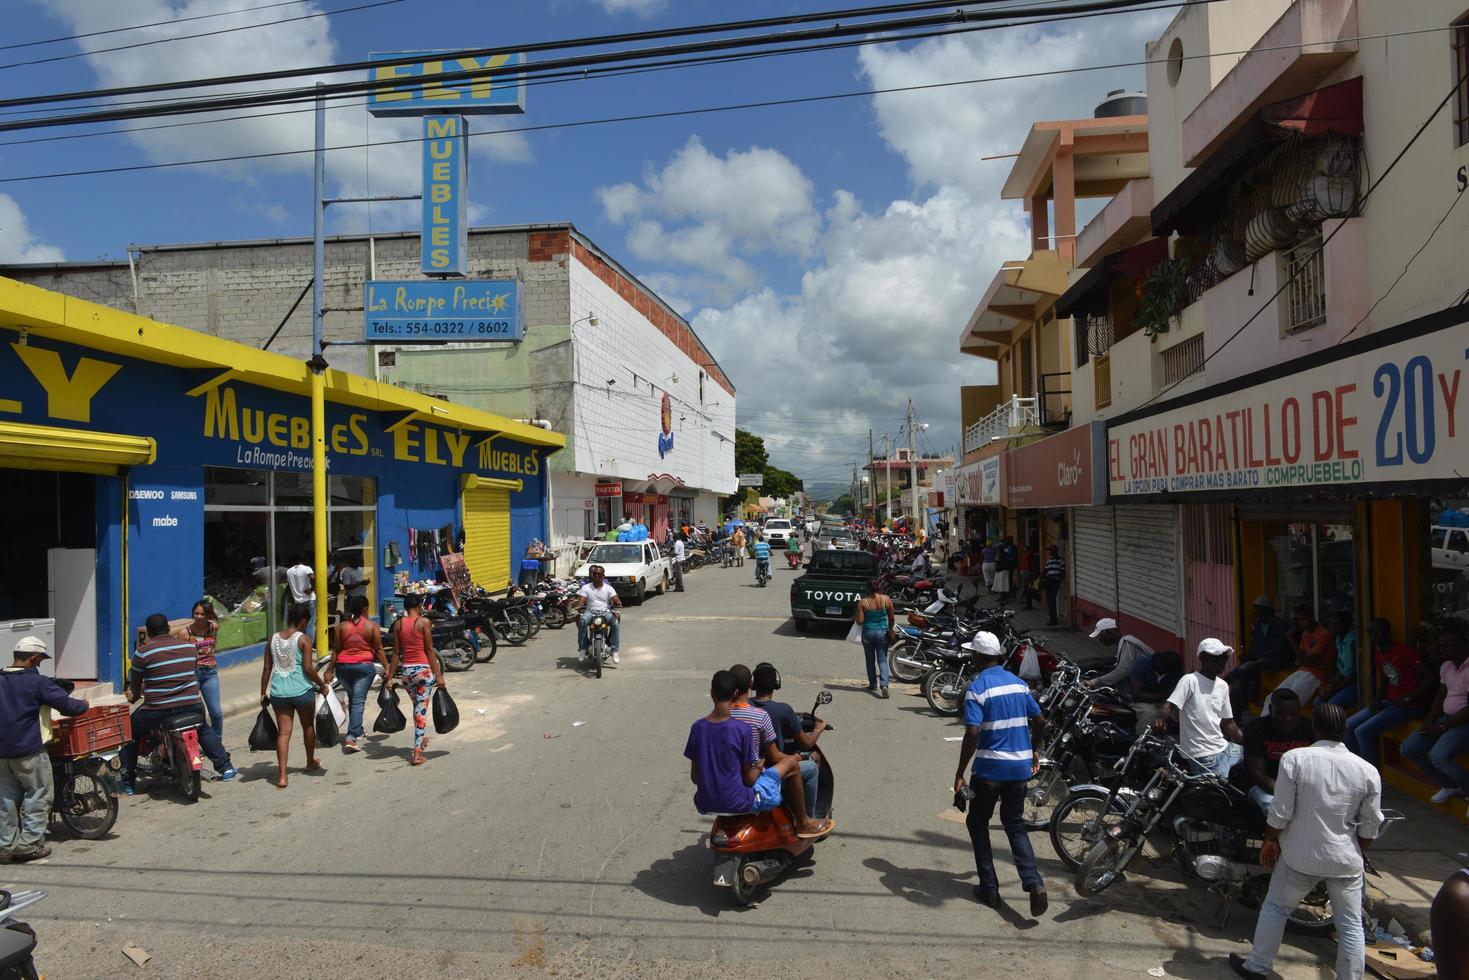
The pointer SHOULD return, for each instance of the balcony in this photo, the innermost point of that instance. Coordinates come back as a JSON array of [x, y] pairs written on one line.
[[1017, 413]]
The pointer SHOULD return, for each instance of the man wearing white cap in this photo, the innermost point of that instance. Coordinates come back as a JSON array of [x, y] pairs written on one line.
[[1129, 648], [25, 769], [999, 712], [1208, 737]]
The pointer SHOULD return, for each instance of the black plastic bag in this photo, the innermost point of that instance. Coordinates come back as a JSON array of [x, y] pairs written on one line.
[[327, 734], [390, 719], [446, 712], [263, 735]]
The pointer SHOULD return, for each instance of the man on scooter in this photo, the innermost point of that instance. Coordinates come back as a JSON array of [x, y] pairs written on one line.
[[594, 599], [762, 558], [790, 737], [767, 742]]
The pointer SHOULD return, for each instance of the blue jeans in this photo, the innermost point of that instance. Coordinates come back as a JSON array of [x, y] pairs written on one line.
[[1346, 697], [762, 565], [614, 637], [1220, 763], [875, 647], [1287, 888], [209, 688], [1010, 795], [1437, 756], [811, 775], [1365, 727], [1261, 798], [25, 800], [357, 679]]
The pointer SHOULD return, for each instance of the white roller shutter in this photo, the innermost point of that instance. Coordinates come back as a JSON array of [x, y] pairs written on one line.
[[1095, 558], [1147, 558]]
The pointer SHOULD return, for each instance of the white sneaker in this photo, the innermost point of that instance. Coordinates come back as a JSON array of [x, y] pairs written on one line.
[[615, 658], [1444, 795]]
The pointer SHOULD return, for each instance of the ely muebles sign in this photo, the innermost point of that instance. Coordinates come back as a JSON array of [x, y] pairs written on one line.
[[1382, 410]]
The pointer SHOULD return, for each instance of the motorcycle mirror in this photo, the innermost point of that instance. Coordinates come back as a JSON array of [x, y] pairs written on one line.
[[824, 697]]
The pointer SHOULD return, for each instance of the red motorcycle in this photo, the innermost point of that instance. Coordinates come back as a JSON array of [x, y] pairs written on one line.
[[754, 849], [793, 558], [172, 752]]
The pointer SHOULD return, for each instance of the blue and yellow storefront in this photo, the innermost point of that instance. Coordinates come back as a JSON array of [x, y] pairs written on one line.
[[148, 466]]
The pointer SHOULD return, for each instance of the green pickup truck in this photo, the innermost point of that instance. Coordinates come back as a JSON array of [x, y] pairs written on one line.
[[835, 581]]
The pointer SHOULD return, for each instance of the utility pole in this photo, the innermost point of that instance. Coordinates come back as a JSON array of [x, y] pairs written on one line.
[[871, 476], [913, 468], [887, 469], [317, 365]]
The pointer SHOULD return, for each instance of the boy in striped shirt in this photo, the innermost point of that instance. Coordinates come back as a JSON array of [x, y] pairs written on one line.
[[998, 714]]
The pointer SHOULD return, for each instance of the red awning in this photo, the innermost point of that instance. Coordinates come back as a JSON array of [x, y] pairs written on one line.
[[1332, 111]]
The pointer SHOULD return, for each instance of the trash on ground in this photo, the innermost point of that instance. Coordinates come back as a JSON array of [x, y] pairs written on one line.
[[1156, 971], [479, 711], [551, 735], [951, 738], [136, 953], [577, 724]]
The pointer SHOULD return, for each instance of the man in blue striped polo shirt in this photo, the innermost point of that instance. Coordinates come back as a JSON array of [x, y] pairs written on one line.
[[998, 714], [163, 676]]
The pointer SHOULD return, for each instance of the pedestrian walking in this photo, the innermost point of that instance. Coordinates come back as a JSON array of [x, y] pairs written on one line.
[[877, 617], [301, 580], [289, 685], [999, 712], [416, 664], [359, 650], [1052, 577], [203, 632], [26, 700], [988, 567], [1326, 811]]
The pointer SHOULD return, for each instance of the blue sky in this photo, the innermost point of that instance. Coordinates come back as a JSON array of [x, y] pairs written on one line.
[[838, 245]]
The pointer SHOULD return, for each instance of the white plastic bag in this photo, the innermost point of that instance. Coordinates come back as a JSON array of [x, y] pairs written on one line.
[[339, 713], [854, 635], [1030, 664]]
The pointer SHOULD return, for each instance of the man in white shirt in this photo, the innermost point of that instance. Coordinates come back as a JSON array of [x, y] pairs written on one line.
[[597, 596], [301, 579], [1326, 811], [678, 556], [1208, 738], [1129, 648]]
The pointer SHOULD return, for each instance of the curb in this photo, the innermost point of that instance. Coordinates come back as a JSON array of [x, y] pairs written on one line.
[[242, 705]]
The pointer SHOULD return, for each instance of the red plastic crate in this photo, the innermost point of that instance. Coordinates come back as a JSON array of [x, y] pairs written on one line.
[[98, 728]]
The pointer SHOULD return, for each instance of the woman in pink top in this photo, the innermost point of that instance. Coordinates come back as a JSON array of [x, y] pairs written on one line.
[[415, 663], [359, 649], [1436, 747]]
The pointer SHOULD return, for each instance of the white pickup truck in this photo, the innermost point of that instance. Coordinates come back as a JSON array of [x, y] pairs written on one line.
[[634, 568]]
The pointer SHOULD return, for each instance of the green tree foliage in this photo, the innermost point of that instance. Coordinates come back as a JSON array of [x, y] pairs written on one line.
[[779, 482], [750, 454], [843, 505]]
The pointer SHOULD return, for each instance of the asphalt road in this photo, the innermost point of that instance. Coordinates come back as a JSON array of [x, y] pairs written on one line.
[[554, 834]]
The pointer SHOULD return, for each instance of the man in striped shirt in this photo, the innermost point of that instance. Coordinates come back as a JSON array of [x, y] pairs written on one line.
[[163, 676], [998, 714]]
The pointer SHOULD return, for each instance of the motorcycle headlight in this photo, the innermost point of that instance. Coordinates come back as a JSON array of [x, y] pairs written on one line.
[[1154, 795]]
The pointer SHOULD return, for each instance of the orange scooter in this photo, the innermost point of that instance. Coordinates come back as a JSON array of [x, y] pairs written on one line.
[[753, 849]]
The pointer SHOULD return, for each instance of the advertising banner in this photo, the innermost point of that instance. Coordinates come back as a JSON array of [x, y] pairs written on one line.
[[444, 242], [979, 482], [419, 89], [751, 479], [429, 311], [1058, 471], [1378, 413]]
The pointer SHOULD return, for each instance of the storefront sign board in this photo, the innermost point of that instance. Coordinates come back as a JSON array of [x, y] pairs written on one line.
[[427, 311], [1058, 471], [751, 479], [444, 242], [609, 490], [1381, 412], [418, 89], [978, 483]]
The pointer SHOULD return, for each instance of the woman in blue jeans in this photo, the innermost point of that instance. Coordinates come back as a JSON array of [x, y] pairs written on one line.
[[359, 650], [876, 616], [204, 632]]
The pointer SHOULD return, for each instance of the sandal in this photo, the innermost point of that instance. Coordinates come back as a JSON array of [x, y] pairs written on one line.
[[827, 826], [417, 759]]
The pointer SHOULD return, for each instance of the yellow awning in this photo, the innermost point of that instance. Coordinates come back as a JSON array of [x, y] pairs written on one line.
[[44, 447]]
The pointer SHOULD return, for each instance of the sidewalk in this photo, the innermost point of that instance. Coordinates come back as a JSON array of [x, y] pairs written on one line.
[[239, 689], [1413, 860], [1073, 643]]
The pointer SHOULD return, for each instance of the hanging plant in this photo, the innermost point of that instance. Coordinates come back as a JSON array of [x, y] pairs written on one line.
[[1163, 295]]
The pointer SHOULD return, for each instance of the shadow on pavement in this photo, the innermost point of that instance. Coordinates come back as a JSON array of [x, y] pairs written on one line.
[[686, 878]]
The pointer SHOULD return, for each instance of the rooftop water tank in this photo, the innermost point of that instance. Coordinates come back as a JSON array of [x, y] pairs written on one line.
[[1121, 102]]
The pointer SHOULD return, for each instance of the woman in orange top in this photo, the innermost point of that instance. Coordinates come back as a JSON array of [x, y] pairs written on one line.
[[359, 646], [416, 664]]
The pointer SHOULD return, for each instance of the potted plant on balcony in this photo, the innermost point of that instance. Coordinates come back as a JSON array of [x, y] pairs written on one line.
[[1162, 295]]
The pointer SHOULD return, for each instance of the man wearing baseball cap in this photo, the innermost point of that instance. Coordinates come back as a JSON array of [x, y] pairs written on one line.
[[999, 712], [25, 768], [1129, 648], [1208, 737]]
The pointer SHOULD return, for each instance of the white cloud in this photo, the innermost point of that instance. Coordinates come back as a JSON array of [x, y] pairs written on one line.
[[639, 8], [17, 241], [394, 169]]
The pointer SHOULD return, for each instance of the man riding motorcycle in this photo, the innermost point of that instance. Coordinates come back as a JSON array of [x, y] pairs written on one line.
[[598, 598], [762, 558]]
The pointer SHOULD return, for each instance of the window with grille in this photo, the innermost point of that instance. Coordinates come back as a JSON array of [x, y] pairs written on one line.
[[1183, 359], [1460, 35], [1305, 273]]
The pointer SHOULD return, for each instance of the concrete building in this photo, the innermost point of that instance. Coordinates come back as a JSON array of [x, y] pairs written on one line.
[[648, 412]]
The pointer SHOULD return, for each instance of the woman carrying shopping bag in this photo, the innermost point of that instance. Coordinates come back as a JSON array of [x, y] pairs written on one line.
[[416, 664], [359, 650], [289, 684]]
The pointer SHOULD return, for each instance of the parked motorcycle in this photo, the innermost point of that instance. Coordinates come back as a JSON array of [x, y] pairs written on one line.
[[84, 791], [753, 849], [599, 633], [17, 939], [172, 753], [452, 642], [503, 615], [1085, 735]]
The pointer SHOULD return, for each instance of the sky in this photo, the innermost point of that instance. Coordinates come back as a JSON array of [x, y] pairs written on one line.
[[828, 253]]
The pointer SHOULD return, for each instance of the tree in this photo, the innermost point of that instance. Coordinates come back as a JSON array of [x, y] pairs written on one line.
[[843, 505], [750, 454], [779, 482]]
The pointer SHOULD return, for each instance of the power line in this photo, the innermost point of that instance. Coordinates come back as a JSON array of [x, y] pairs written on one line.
[[156, 23]]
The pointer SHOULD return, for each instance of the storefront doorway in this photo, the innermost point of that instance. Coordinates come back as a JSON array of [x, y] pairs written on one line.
[[51, 567]]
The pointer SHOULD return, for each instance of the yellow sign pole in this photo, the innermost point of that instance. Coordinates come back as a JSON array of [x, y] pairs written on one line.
[[319, 502]]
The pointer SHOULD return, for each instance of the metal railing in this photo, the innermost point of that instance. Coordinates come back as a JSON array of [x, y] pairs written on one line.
[[1305, 269], [1017, 413], [1054, 407], [1184, 359]]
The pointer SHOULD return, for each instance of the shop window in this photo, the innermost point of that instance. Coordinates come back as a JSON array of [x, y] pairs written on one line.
[[1315, 566], [701, 388], [1448, 539]]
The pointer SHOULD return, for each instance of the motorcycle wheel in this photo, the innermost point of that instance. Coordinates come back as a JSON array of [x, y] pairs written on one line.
[[1077, 824], [597, 651], [556, 617], [188, 778], [934, 687], [457, 656], [533, 620], [1045, 791], [85, 806], [1102, 866], [515, 630], [908, 673], [489, 645], [1311, 916]]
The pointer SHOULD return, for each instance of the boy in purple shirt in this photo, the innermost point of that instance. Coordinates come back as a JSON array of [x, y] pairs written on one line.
[[724, 765]]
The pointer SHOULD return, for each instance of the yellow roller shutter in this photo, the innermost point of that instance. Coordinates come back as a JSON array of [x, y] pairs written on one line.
[[44, 447], [486, 507]]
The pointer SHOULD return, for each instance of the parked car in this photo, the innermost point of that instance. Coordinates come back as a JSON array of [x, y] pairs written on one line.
[[835, 581], [777, 531], [633, 568]]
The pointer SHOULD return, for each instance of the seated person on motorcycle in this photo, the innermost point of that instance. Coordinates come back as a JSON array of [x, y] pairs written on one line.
[[1128, 647], [1269, 738], [796, 782], [596, 598], [1153, 678], [1208, 736], [163, 677], [793, 550], [790, 737], [762, 558], [724, 761]]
